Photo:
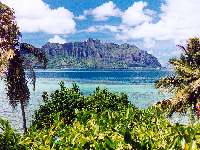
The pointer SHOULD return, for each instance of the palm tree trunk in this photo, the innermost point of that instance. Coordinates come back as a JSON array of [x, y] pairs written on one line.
[[23, 116], [192, 115]]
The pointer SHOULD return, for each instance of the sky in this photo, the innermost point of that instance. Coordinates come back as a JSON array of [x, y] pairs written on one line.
[[156, 26]]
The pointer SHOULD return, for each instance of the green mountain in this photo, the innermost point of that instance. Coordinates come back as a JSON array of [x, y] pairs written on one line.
[[96, 54]]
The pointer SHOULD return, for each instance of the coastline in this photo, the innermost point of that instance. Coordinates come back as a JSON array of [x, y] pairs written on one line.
[[102, 69]]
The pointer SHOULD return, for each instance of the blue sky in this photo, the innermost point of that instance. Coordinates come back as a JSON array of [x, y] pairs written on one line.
[[153, 25], [78, 7]]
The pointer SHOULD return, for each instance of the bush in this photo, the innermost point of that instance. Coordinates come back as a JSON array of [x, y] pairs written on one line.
[[102, 120], [9, 140], [66, 100], [127, 128]]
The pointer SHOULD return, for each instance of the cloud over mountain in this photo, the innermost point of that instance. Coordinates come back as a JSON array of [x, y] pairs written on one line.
[[57, 39], [178, 20], [154, 25]]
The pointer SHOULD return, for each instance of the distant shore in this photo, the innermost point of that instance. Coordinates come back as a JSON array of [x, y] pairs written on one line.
[[103, 69]]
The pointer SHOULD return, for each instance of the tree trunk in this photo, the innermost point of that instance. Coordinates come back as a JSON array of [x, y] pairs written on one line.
[[23, 116]]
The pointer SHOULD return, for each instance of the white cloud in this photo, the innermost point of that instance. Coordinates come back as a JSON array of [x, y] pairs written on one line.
[[135, 14], [104, 11], [90, 29], [111, 28], [37, 16], [149, 43], [101, 28], [57, 39], [178, 20]]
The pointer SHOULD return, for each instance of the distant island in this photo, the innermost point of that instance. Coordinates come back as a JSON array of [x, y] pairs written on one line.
[[94, 54]]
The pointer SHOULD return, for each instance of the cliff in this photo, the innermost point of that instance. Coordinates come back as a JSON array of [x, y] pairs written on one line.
[[96, 54]]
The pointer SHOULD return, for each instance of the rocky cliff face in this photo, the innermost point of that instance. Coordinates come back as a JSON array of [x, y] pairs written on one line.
[[95, 54]]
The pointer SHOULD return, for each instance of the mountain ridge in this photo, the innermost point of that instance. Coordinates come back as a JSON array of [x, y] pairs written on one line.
[[96, 54]]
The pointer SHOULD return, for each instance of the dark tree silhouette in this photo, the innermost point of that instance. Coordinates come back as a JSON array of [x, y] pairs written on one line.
[[9, 36], [12, 60]]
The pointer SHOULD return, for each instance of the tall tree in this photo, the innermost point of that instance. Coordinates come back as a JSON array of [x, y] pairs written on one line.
[[185, 84], [13, 62], [9, 36]]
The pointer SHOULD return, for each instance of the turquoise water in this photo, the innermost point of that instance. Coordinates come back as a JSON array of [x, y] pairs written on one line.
[[137, 84]]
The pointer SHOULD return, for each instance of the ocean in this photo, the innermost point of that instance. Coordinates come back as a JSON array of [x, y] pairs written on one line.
[[137, 84]]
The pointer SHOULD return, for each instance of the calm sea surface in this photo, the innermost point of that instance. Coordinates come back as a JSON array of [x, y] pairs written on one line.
[[137, 84]]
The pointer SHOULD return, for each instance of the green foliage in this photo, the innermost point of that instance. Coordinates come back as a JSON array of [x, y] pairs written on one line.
[[127, 128], [66, 100], [9, 140], [117, 125], [185, 84], [104, 120], [63, 61]]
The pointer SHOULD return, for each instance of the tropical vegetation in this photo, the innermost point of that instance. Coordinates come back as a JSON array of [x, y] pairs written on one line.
[[124, 127], [185, 84], [96, 54], [67, 119], [67, 101], [12, 63]]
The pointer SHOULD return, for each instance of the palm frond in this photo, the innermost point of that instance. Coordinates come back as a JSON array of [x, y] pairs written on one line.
[[184, 69], [37, 52], [186, 83], [31, 73], [28, 48], [16, 83], [170, 83]]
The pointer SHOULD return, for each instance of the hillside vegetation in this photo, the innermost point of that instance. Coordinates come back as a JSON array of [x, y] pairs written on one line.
[[96, 54]]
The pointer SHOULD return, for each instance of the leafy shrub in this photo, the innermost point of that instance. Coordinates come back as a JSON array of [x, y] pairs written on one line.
[[9, 140], [104, 120], [66, 100], [127, 128]]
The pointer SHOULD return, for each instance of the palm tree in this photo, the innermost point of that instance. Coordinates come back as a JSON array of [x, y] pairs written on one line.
[[16, 83], [17, 89], [185, 83], [9, 36]]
